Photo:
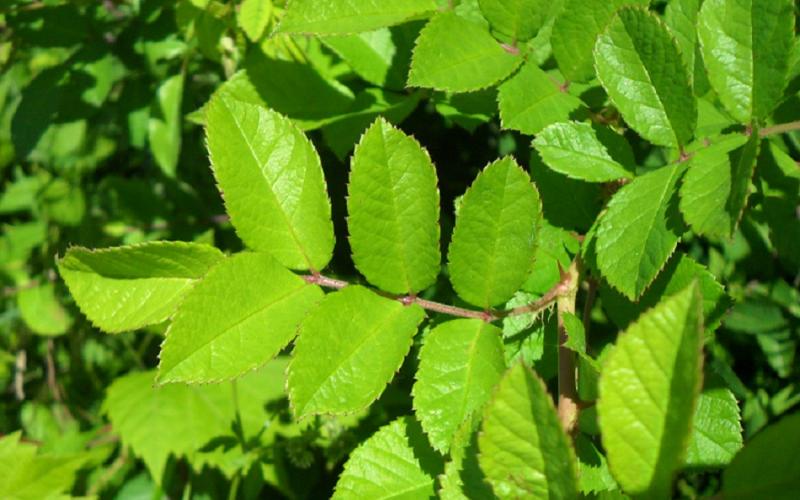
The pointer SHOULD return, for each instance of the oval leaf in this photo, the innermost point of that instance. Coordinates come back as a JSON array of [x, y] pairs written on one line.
[[272, 182], [648, 389], [523, 449], [494, 236], [393, 207], [639, 231], [348, 350], [531, 100], [395, 462], [573, 149], [640, 66], [457, 55], [236, 319], [746, 47], [126, 288], [459, 364]]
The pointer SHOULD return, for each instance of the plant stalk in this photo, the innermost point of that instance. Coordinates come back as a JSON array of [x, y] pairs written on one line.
[[567, 388], [779, 129]]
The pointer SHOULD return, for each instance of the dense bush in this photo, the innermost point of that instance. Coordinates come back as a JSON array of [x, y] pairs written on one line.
[[399, 248]]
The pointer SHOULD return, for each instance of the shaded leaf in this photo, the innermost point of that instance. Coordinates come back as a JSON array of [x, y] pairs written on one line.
[[349, 16]]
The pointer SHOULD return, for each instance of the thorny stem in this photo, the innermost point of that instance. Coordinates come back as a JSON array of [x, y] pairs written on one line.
[[567, 389], [561, 288]]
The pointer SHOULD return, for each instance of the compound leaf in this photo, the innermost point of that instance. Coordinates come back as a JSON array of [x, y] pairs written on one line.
[[457, 55], [495, 235], [523, 449], [126, 288], [393, 208], [574, 150], [515, 20], [531, 100], [746, 46], [717, 430], [348, 350], [640, 66], [395, 462], [459, 364], [272, 182], [767, 467], [639, 231], [340, 17], [237, 318], [716, 186], [575, 30], [648, 389]]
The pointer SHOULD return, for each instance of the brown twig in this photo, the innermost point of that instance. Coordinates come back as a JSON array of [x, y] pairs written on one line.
[[567, 388]]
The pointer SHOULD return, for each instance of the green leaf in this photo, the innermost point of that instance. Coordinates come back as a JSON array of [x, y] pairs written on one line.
[[531, 100], [126, 288], [639, 231], [593, 473], [395, 462], [575, 30], [468, 110], [640, 66], [457, 55], [680, 16], [348, 350], [767, 467], [717, 184], [254, 16], [393, 208], [573, 149], [716, 431], [272, 182], [515, 20], [246, 309], [381, 57], [523, 449], [42, 312], [459, 364], [495, 235], [746, 47], [340, 17], [680, 272], [164, 124], [145, 417], [180, 420], [648, 389], [297, 90], [28, 475]]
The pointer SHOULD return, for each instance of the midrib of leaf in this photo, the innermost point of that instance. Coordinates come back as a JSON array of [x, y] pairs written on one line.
[[403, 245], [286, 218], [468, 374], [238, 322], [610, 162], [370, 335], [653, 86], [491, 278]]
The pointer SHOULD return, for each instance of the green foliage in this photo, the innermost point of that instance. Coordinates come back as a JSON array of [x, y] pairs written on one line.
[[495, 235], [647, 394], [393, 206], [617, 315], [541, 463]]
